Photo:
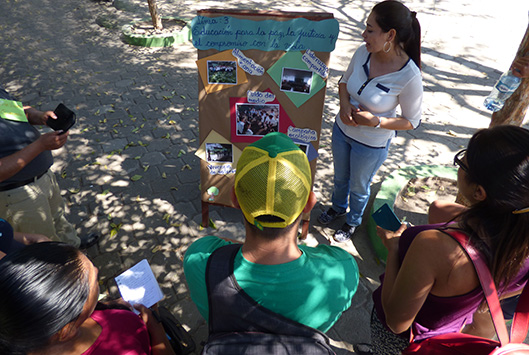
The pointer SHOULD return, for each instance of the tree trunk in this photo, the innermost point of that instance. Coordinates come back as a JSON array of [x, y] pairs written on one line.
[[515, 108], [156, 20]]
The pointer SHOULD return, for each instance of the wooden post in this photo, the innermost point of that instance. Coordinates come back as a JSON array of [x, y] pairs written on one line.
[[515, 108], [156, 20]]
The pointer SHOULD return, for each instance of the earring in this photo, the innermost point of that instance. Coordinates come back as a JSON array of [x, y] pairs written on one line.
[[384, 48]]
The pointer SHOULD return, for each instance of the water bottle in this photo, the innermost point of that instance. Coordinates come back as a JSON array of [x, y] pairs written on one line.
[[502, 90]]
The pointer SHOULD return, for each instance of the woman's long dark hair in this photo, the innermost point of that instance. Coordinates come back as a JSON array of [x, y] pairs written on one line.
[[43, 287], [391, 14], [498, 160]]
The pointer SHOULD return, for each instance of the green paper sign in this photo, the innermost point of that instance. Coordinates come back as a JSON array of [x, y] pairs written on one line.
[[12, 110]]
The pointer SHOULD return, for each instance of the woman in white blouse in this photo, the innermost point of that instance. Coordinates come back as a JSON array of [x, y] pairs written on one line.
[[384, 73]]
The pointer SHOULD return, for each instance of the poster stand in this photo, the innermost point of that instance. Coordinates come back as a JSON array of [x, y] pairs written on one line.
[[259, 72]]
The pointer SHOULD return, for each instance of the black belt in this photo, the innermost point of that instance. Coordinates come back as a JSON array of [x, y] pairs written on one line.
[[14, 185]]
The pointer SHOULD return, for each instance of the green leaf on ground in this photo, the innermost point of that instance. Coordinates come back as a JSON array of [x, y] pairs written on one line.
[[212, 224], [136, 177], [115, 229]]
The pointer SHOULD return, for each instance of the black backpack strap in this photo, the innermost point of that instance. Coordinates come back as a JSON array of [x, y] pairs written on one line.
[[231, 309]]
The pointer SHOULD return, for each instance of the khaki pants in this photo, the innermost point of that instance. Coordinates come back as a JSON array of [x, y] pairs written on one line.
[[38, 208]]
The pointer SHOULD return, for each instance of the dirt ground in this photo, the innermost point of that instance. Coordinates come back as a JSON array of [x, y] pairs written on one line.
[[411, 203]]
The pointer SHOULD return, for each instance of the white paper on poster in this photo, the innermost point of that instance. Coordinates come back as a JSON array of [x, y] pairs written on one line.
[[315, 64], [260, 97], [302, 134], [223, 169], [247, 64]]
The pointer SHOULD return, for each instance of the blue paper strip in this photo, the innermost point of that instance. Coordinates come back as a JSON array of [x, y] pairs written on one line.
[[226, 32]]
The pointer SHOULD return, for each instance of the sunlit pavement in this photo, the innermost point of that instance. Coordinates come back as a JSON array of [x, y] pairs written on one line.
[[129, 171]]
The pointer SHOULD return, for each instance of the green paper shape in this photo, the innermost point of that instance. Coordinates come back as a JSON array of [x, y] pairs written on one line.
[[12, 110], [293, 60]]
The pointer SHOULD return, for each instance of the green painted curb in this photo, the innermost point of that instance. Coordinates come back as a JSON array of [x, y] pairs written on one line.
[[391, 187], [157, 40]]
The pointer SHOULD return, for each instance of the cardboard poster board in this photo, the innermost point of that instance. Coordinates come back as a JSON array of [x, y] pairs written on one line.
[[259, 72]]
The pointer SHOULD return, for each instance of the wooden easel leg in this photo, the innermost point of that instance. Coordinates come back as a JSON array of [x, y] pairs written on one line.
[[205, 214], [304, 229]]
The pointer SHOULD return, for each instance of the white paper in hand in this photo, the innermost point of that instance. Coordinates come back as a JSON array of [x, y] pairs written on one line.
[[138, 285]]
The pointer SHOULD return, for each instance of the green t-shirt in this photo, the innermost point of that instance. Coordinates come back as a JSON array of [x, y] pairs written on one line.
[[313, 290]]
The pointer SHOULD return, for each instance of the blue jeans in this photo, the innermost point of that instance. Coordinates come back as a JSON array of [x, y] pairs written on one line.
[[355, 164]]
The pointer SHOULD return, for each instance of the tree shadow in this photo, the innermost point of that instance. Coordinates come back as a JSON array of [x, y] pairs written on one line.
[[129, 171]]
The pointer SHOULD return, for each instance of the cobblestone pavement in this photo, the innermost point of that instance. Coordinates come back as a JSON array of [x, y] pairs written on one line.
[[138, 117]]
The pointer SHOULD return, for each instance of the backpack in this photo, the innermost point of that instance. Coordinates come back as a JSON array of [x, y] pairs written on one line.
[[239, 325], [465, 344]]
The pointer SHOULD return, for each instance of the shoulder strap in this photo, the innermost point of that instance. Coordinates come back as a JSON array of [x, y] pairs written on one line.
[[487, 283], [231, 309], [520, 321]]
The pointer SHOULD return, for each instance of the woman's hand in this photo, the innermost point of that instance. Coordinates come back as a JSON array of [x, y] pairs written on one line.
[[365, 118], [347, 111], [389, 238], [159, 343]]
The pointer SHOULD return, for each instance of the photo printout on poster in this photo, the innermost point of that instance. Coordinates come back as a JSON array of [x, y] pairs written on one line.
[[222, 72], [256, 120], [219, 153], [296, 80]]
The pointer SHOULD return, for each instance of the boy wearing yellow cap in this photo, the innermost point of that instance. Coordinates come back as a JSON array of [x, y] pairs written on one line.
[[310, 285]]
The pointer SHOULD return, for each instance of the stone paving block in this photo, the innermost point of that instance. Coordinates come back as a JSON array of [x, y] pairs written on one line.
[[160, 145], [112, 263], [188, 172], [187, 313], [113, 144], [139, 188], [187, 192]]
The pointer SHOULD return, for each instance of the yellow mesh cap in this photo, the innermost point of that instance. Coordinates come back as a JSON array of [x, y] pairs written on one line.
[[273, 178]]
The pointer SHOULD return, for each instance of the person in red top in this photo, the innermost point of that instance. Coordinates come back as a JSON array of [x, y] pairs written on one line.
[[49, 296]]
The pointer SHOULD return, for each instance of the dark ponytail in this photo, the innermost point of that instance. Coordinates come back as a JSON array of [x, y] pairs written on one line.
[[498, 160], [392, 14]]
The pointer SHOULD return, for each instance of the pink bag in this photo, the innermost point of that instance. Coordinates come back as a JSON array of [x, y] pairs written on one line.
[[464, 344]]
